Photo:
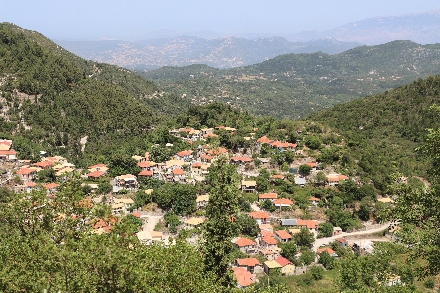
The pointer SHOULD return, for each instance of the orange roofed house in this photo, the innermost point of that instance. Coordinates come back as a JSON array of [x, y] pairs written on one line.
[[270, 196], [244, 278], [260, 217], [250, 264], [246, 245], [283, 236], [333, 179]]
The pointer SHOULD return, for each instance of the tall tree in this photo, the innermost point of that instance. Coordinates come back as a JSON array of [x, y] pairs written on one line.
[[418, 210], [220, 228]]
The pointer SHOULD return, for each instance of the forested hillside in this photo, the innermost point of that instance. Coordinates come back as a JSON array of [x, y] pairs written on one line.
[[128, 80], [296, 85], [52, 98], [384, 130]]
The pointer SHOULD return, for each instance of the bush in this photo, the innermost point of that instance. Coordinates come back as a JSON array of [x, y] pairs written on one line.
[[429, 283], [317, 272]]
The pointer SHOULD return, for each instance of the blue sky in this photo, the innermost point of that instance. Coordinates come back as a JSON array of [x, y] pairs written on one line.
[[136, 19]]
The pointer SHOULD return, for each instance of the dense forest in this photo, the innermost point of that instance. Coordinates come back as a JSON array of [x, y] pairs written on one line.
[[51, 98]]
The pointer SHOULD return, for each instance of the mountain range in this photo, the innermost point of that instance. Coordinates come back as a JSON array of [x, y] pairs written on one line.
[[296, 85], [234, 51], [225, 52]]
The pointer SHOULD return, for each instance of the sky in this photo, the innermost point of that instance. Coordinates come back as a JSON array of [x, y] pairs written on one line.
[[142, 19]]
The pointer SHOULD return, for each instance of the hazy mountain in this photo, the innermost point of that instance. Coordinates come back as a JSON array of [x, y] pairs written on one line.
[[224, 52], [423, 28]]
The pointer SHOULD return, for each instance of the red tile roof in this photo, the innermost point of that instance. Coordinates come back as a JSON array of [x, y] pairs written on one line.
[[51, 185], [341, 240], [283, 145], [264, 139], [311, 224], [241, 159], [278, 176], [31, 184], [327, 249], [244, 278], [259, 215], [217, 151], [270, 195], [311, 164], [283, 261], [184, 153], [145, 173], [270, 240], [44, 164], [25, 171], [95, 174], [178, 171], [249, 262], [210, 135], [146, 164], [86, 203], [283, 234], [314, 199], [205, 156], [244, 242], [136, 214], [283, 201], [8, 152], [266, 233], [196, 165]]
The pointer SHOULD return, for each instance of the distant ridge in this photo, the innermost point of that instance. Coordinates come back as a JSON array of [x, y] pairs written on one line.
[[223, 52], [422, 28], [296, 85]]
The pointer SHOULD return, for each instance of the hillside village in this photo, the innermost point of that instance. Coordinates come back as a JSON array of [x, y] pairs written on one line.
[[281, 217]]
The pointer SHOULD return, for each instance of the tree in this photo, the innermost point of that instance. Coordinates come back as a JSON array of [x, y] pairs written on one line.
[[172, 221], [48, 246], [320, 178], [247, 225], [313, 142], [326, 260], [141, 198], [317, 272], [219, 227], [304, 238], [268, 205], [133, 222], [304, 170], [418, 210], [121, 163], [159, 154], [104, 187], [289, 250], [307, 257], [325, 229], [181, 198]]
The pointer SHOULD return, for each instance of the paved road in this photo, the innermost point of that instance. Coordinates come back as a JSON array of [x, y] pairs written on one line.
[[326, 240]]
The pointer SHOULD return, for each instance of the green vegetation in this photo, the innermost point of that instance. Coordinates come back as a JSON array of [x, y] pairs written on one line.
[[47, 245], [383, 138], [296, 85], [54, 100]]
